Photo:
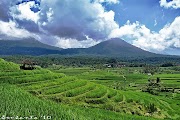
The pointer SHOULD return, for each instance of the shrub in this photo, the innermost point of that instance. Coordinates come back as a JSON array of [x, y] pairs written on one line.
[[118, 98], [151, 108], [97, 101]]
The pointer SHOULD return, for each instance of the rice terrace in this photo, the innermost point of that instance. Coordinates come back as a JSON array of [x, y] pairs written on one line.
[[89, 59], [88, 93]]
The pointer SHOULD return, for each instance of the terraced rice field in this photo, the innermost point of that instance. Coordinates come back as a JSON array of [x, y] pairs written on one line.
[[47, 84], [78, 91], [71, 90]]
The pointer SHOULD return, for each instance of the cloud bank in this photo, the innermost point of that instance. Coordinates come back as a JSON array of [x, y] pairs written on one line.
[[81, 23], [175, 4], [139, 35], [65, 19], [10, 30]]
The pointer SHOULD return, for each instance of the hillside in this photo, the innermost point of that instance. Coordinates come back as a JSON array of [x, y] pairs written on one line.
[[118, 47], [8, 66], [16, 99], [26, 47], [109, 48], [80, 93], [17, 102]]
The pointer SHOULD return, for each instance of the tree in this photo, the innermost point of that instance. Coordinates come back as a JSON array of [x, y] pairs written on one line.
[[158, 80], [151, 69], [112, 62], [167, 65], [151, 108]]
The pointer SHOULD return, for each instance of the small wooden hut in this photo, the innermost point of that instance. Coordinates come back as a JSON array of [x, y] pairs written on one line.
[[28, 65]]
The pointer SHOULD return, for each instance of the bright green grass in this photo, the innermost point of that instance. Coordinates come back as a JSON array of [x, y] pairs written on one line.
[[71, 71], [167, 75], [16, 102], [19, 73], [169, 80], [111, 93], [8, 66], [70, 90], [80, 90], [47, 83], [169, 105], [118, 98], [63, 88], [100, 75], [99, 92], [113, 79], [30, 78]]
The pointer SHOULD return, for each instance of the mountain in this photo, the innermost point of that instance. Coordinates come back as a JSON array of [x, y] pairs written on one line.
[[172, 51], [110, 48], [26, 47], [118, 47], [113, 48]]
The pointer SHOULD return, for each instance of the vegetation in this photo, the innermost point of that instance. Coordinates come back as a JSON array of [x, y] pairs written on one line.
[[7, 66], [92, 61], [20, 104], [89, 93]]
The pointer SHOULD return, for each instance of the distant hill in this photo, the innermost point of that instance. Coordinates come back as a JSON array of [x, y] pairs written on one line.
[[26, 47], [118, 47], [110, 48]]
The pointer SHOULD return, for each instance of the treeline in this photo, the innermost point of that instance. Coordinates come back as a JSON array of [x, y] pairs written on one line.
[[167, 61], [45, 61], [79, 61]]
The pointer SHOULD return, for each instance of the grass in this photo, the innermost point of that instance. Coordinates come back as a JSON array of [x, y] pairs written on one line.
[[30, 78], [97, 93], [79, 90], [111, 93], [16, 102], [118, 98], [8, 66], [88, 88], [47, 83], [63, 88], [70, 71]]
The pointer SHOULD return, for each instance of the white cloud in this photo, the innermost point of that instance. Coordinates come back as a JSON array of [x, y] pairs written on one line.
[[67, 23], [172, 4], [104, 23], [142, 37], [73, 19], [70, 19], [50, 14], [108, 1], [73, 43], [10, 29], [23, 12], [155, 22]]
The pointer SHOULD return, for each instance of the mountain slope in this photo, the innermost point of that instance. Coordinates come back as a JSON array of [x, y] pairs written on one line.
[[26, 47], [113, 48], [118, 47]]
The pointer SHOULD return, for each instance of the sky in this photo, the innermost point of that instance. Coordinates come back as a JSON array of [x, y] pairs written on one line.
[[152, 25]]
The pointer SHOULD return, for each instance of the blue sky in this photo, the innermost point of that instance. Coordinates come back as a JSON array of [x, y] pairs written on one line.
[[144, 11], [152, 25]]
